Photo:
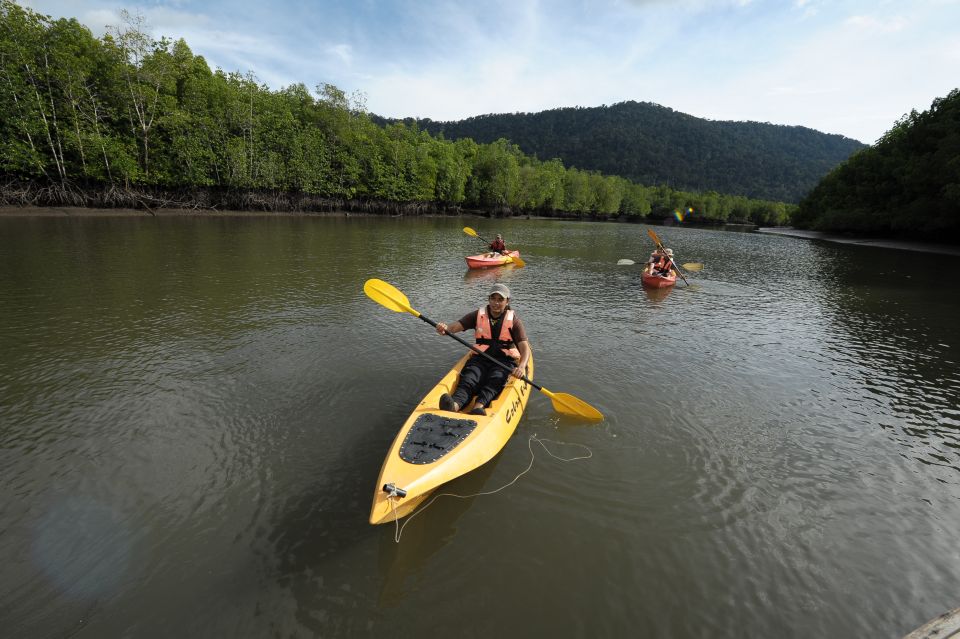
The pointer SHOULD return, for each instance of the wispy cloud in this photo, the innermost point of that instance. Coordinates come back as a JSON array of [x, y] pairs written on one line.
[[344, 52], [878, 25], [800, 91]]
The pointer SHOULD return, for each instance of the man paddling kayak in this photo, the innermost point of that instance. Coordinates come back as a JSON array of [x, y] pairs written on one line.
[[480, 376], [497, 246], [660, 262]]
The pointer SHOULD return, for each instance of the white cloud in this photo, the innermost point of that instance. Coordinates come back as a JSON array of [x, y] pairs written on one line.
[[98, 20], [798, 91], [878, 25], [808, 8], [697, 5], [343, 52], [855, 77], [951, 51], [171, 23]]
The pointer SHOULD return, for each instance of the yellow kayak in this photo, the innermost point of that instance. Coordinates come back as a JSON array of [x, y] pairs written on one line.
[[435, 446]]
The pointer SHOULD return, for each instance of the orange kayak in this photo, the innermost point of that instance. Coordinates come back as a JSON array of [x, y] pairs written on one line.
[[659, 281], [483, 261]]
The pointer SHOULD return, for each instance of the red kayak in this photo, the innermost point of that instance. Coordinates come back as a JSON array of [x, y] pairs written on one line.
[[659, 281], [483, 261]]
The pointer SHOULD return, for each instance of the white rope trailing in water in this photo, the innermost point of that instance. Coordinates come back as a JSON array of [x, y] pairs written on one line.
[[398, 532]]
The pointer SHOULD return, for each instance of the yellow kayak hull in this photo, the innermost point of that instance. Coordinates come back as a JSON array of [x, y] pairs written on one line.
[[488, 436]]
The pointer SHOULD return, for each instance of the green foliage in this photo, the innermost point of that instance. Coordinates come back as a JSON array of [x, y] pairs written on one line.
[[907, 184], [128, 110], [636, 201], [576, 191], [652, 144], [453, 168]]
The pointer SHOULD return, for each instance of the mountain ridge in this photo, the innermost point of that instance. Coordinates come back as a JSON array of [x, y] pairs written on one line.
[[654, 144]]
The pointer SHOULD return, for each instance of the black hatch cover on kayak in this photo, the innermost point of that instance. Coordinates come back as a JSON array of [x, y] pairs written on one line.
[[433, 436]]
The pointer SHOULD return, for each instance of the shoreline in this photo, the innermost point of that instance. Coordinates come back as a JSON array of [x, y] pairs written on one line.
[[82, 211], [14, 211], [903, 245]]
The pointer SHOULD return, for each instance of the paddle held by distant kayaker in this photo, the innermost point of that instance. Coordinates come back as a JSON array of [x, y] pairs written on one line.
[[499, 333]]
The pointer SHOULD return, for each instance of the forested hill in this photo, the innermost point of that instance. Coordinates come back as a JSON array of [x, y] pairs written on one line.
[[906, 185], [126, 120], [652, 144]]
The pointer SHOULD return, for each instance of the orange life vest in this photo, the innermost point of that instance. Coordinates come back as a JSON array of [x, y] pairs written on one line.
[[483, 334]]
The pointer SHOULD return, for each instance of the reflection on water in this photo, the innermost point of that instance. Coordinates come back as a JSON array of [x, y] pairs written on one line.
[[194, 412], [500, 273], [657, 294], [427, 532]]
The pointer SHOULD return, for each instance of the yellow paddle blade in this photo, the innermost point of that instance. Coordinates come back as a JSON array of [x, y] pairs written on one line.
[[516, 260], [470, 231], [570, 405], [693, 267], [389, 296], [653, 236]]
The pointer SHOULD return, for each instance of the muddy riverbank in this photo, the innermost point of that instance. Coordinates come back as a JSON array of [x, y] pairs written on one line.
[[904, 245]]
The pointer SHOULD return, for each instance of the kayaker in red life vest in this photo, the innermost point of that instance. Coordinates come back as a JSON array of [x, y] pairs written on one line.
[[480, 376], [660, 262], [497, 246]]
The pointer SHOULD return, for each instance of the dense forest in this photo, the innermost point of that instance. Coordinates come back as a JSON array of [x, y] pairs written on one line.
[[652, 144], [907, 185], [126, 120]]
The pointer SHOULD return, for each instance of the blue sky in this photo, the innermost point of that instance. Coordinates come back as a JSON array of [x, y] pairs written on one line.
[[851, 67]]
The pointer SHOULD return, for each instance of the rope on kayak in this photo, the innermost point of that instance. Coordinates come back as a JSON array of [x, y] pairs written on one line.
[[398, 532]]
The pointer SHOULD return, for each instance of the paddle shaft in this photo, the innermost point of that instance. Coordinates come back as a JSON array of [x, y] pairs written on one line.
[[690, 266], [679, 270], [479, 352], [669, 259]]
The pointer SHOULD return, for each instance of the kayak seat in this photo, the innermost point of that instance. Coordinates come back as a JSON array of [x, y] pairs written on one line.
[[433, 436]]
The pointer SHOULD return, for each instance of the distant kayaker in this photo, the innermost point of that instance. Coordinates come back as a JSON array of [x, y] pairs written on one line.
[[480, 376], [654, 258], [660, 262], [497, 246]]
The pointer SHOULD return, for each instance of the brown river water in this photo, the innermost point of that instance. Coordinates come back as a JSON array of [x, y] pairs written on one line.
[[194, 411]]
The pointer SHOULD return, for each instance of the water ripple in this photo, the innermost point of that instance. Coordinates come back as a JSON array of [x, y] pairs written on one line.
[[193, 412]]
